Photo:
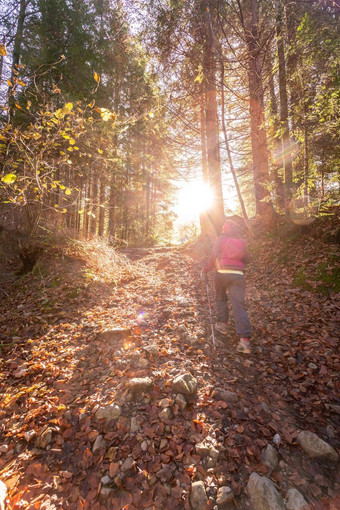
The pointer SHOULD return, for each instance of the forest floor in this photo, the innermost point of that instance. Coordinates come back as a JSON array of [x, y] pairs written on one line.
[[75, 433]]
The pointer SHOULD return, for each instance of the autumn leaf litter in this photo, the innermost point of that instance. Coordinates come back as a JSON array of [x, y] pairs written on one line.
[[75, 434]]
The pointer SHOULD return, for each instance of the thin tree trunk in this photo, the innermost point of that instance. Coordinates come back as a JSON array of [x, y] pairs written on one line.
[[94, 206], [2, 57], [87, 208], [101, 219], [112, 208], [125, 219], [226, 141], [148, 193], [78, 209], [113, 179], [306, 152]]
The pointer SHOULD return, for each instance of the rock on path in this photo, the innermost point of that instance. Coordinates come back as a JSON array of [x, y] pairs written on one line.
[[263, 493], [317, 448]]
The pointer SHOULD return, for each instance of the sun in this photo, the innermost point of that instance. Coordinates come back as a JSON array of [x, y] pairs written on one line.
[[193, 198]]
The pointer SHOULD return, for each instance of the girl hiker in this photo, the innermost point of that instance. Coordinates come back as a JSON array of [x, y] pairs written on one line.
[[229, 255]]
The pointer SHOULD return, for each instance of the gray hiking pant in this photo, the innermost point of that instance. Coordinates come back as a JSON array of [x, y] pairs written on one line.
[[233, 285]]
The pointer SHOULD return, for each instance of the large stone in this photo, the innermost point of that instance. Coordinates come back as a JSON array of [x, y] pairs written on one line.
[[202, 449], [224, 497], [198, 496], [317, 448], [228, 396], [114, 335], [108, 413], [263, 493], [191, 340], [140, 385], [295, 501], [270, 457], [214, 453], [151, 349], [181, 402], [143, 363], [185, 384]]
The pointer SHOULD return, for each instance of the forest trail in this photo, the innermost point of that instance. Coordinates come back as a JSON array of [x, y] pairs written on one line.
[[77, 434]]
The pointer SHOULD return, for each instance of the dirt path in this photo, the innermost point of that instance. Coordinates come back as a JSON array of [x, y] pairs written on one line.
[[148, 457]]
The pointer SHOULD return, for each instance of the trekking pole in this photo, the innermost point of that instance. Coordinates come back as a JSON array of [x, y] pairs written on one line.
[[210, 315]]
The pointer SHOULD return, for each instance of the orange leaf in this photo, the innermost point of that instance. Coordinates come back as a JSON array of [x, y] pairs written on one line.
[[87, 458], [113, 469]]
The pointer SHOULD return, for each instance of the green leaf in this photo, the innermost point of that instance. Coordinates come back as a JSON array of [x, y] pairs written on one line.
[[9, 178]]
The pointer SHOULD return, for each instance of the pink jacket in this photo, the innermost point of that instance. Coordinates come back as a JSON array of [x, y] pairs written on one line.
[[228, 253]]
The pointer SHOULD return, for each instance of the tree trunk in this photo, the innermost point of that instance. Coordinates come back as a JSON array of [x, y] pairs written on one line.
[[285, 139], [264, 207], [203, 137], [291, 24], [2, 57], [101, 219], [148, 192], [78, 209], [216, 213], [112, 211], [306, 152], [16, 52], [274, 128], [204, 220], [87, 208], [94, 204]]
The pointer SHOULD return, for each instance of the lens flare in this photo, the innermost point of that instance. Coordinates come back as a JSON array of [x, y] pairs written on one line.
[[285, 153], [140, 318], [303, 209]]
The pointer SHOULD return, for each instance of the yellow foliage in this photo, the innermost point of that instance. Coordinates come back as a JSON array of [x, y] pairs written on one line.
[[9, 178], [60, 114], [106, 114]]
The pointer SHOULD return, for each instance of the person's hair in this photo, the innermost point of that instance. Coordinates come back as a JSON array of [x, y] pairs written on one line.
[[230, 228]]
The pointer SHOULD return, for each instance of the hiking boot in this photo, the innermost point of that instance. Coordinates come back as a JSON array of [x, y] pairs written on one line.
[[221, 327], [243, 346]]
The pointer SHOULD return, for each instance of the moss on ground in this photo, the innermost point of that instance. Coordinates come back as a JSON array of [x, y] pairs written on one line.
[[324, 279]]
